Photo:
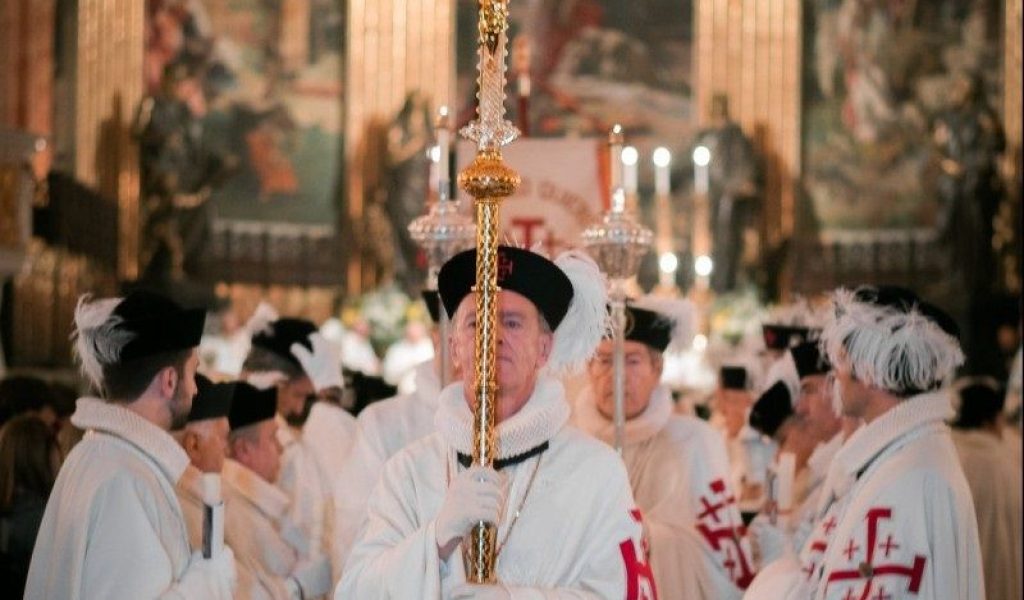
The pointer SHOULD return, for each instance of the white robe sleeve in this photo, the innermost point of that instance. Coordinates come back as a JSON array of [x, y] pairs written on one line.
[[396, 556]]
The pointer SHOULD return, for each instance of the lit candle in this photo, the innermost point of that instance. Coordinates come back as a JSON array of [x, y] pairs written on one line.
[[615, 144], [630, 157], [444, 141], [662, 159], [701, 160]]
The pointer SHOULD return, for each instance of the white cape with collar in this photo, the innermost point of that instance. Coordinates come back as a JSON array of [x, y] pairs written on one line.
[[678, 468], [895, 517], [113, 527], [577, 536]]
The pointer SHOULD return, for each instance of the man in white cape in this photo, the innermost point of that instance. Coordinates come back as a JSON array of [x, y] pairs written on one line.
[[677, 465], [895, 518], [384, 428], [290, 356], [113, 526], [566, 523], [205, 440], [272, 551]]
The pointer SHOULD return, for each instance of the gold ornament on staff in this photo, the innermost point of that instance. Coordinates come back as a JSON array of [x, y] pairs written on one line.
[[488, 180]]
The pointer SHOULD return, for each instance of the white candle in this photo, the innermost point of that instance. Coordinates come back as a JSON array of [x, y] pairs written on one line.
[[615, 141], [444, 141], [662, 159], [785, 474], [630, 157], [701, 160]]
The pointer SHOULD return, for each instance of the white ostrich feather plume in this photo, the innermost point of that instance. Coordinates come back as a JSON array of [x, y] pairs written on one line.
[[97, 339], [586, 322], [680, 312], [888, 348]]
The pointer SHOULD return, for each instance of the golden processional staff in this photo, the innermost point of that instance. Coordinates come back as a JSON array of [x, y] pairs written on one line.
[[617, 243], [488, 180]]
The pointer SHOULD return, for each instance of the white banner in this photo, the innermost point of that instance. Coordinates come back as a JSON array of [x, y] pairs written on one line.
[[560, 195]]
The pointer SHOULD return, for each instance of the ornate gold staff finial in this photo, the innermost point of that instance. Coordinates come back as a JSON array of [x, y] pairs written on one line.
[[489, 180]]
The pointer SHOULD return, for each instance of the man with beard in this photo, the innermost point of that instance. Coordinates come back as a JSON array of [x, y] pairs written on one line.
[[895, 517], [677, 465], [566, 523], [113, 527], [385, 427]]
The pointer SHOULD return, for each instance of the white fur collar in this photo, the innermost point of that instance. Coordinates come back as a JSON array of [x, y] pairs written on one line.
[[895, 427], [265, 496], [543, 416], [638, 429], [118, 421]]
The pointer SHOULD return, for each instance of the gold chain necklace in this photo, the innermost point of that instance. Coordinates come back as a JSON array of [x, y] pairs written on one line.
[[519, 509]]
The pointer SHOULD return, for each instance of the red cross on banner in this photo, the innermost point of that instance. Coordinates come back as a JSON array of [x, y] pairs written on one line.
[[871, 571], [829, 525]]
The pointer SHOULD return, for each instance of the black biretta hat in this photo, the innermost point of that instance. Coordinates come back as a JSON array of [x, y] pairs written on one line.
[[279, 336], [782, 337], [648, 327], [158, 325], [212, 401], [905, 300], [433, 301], [809, 360], [250, 405], [772, 409], [733, 378], [520, 271]]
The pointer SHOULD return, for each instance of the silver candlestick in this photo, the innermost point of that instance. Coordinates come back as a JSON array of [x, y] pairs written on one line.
[[442, 232], [617, 242]]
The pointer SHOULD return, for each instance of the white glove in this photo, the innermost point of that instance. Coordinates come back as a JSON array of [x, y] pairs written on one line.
[[472, 591], [476, 494], [322, 365], [213, 578], [313, 577], [772, 541]]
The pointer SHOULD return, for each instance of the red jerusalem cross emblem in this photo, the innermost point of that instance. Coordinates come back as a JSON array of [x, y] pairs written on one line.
[[870, 569], [639, 577], [505, 265], [722, 535]]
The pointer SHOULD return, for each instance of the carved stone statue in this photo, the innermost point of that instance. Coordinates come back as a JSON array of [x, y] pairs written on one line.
[[968, 140], [406, 182], [178, 171], [734, 188]]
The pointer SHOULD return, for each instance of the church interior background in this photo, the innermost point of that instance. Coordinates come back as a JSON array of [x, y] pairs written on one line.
[[229, 151]]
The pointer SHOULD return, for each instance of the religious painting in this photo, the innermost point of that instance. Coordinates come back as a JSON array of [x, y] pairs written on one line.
[[900, 102], [269, 100], [591, 64]]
